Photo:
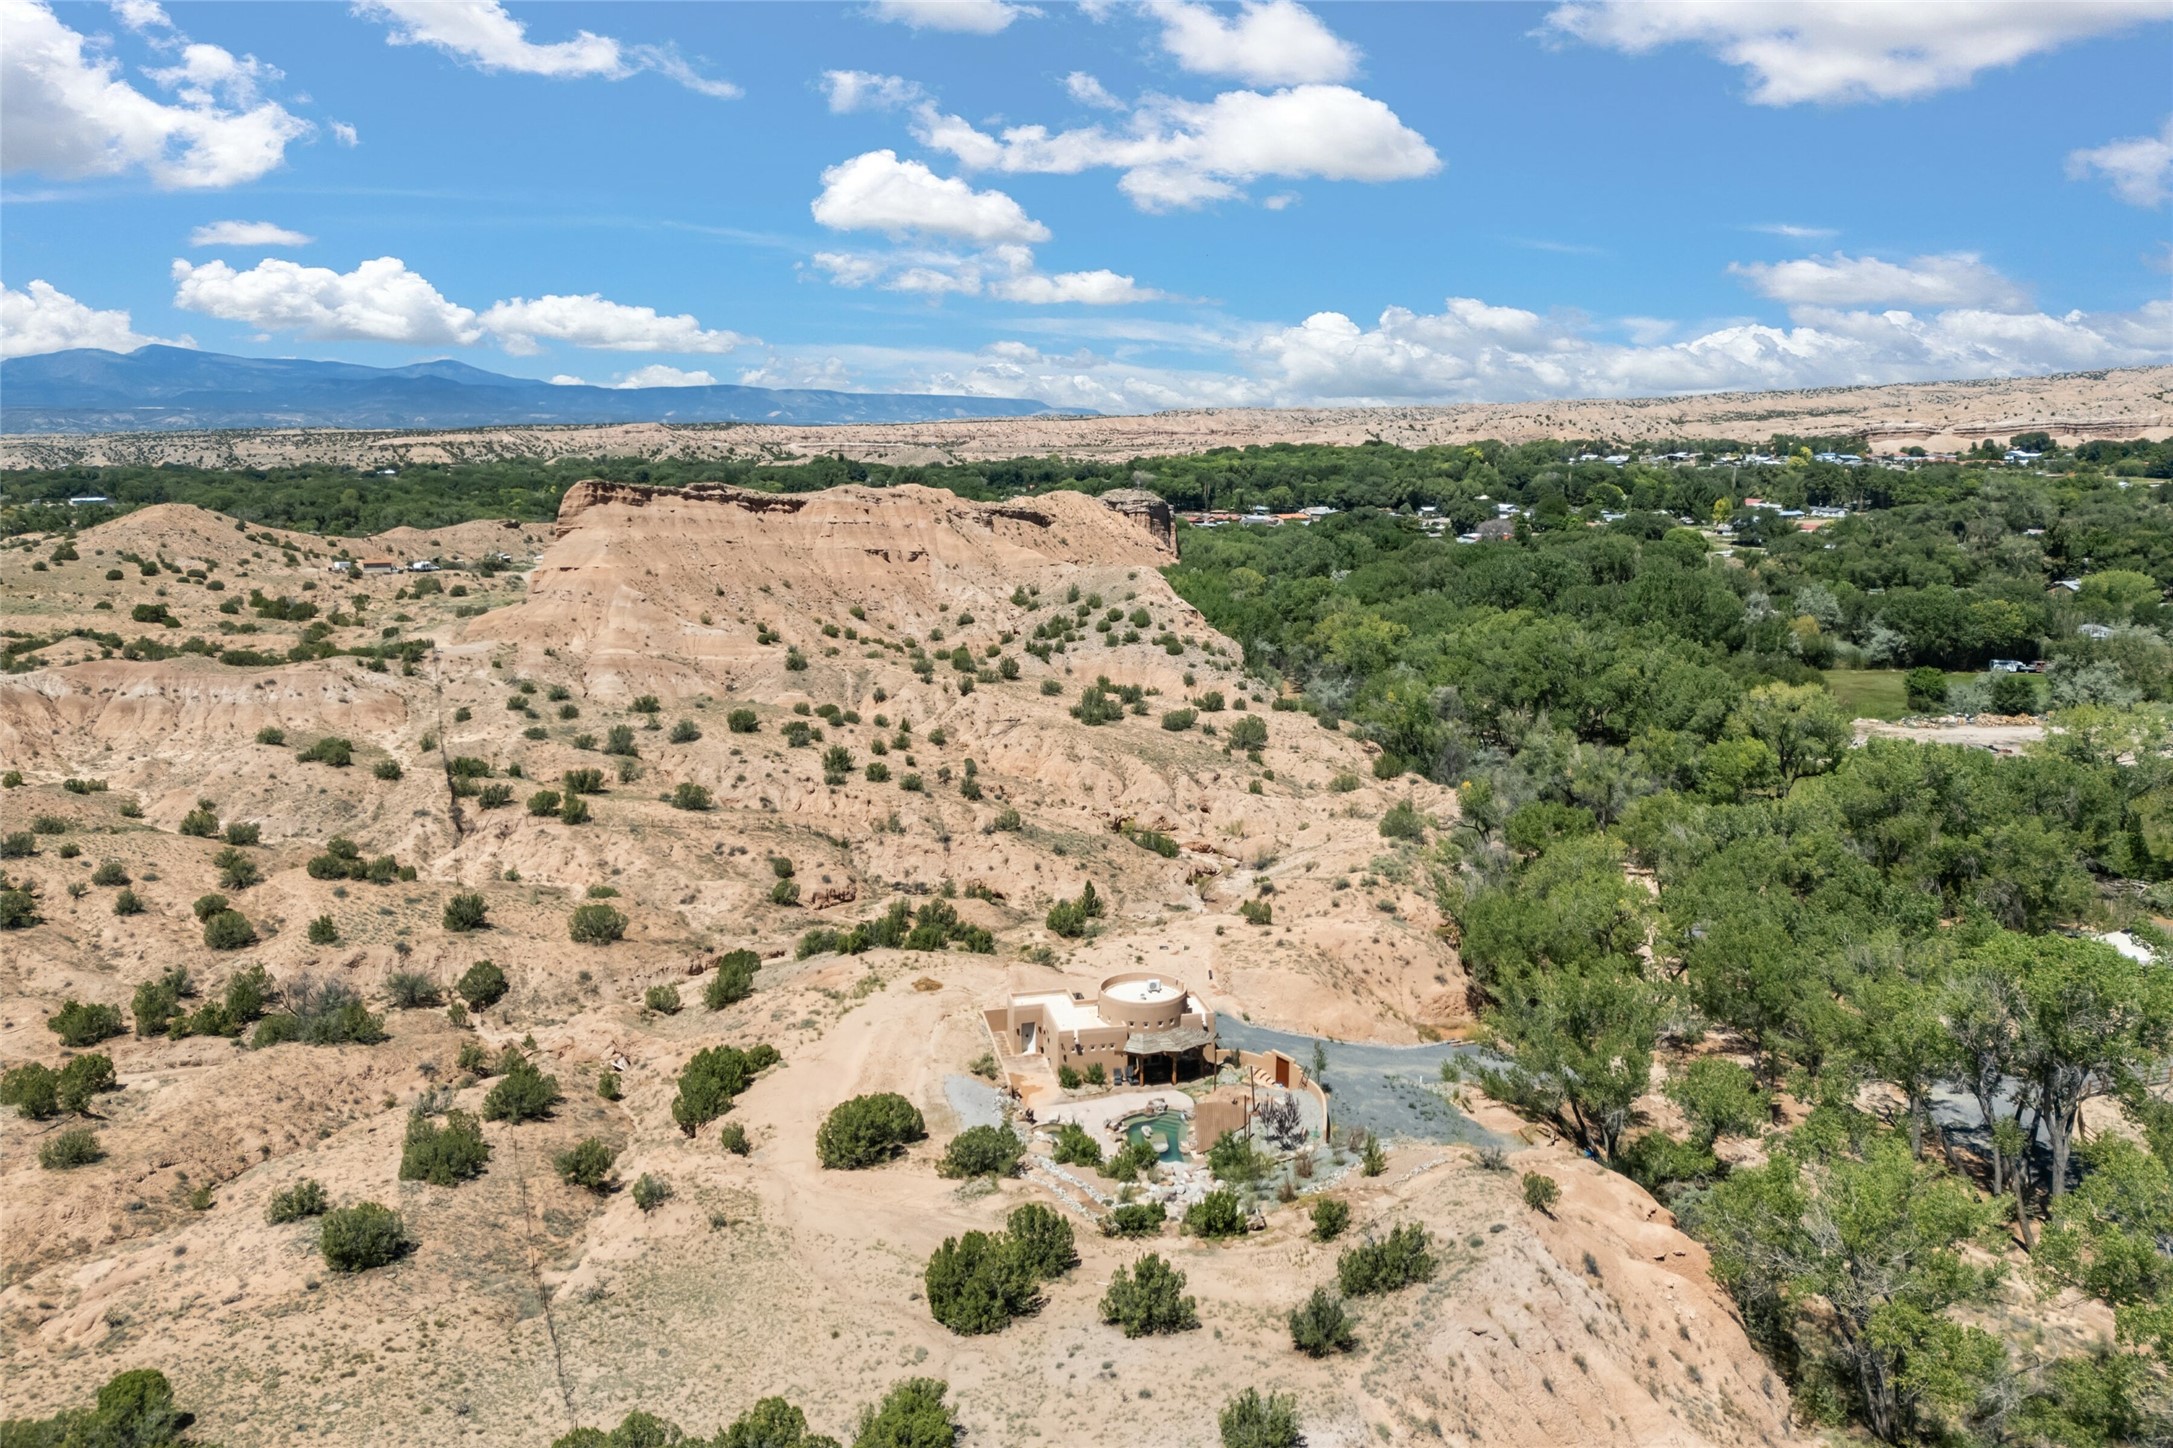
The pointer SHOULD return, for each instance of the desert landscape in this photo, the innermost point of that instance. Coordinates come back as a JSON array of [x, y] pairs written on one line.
[[529, 1306], [2121, 403]]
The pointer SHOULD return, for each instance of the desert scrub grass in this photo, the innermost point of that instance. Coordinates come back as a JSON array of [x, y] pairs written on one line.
[[466, 912], [595, 925], [1321, 1326], [1149, 1298], [444, 1154], [1402, 1258], [411, 990], [524, 1093], [663, 999], [77, 1146], [733, 979], [305, 1198], [587, 1164], [482, 985], [868, 1130], [359, 1238]]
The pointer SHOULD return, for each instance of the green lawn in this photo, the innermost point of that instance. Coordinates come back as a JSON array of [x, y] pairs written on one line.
[[1874, 693]]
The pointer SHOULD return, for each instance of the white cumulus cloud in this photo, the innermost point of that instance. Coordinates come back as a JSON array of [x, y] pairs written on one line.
[[1007, 273], [1850, 50], [1953, 279], [482, 34], [65, 110], [590, 321], [1470, 351], [1088, 91], [1182, 153], [379, 301], [1267, 42], [247, 233], [876, 191], [2140, 168], [43, 318], [862, 90], [971, 17]]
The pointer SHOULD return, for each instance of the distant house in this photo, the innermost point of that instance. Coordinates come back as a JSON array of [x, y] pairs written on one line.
[[2096, 631], [422, 565], [1139, 1028], [378, 567], [2009, 666], [88, 500], [2072, 585], [2022, 455]]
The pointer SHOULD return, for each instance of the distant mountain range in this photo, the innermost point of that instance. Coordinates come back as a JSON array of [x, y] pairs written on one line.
[[166, 389]]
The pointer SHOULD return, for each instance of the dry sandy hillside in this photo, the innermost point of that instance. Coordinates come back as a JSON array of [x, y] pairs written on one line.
[[529, 1305], [2119, 403]]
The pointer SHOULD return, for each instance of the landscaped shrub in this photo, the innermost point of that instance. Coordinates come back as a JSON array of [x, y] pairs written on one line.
[[1076, 1146], [595, 925], [711, 1078], [733, 980], [1148, 1297], [1330, 1216], [1403, 1257], [1129, 1160], [77, 1146], [991, 1151], [1322, 1326], [482, 985], [867, 1130], [1216, 1215], [360, 1237], [444, 1155], [979, 1282], [305, 1198], [80, 1025], [1251, 1421], [1135, 1219], [588, 1164], [1233, 1158], [524, 1093], [467, 912], [229, 930]]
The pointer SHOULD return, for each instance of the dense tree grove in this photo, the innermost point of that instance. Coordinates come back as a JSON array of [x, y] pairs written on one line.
[[1674, 862]]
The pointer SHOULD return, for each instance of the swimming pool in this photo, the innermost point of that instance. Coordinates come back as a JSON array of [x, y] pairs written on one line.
[[1163, 1131]]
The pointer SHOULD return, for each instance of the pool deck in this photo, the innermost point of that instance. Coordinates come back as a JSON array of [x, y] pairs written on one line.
[[1100, 1114]]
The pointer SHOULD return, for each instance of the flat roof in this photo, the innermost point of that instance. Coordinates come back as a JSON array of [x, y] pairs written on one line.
[[1153, 989], [1065, 1014]]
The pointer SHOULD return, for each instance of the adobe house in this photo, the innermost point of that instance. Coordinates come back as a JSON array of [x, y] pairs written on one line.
[[1140, 1027]]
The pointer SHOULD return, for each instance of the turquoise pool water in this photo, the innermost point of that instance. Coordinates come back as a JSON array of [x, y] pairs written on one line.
[[1163, 1131]]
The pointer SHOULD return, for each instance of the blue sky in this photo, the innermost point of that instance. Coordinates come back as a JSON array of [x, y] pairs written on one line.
[[1115, 205]]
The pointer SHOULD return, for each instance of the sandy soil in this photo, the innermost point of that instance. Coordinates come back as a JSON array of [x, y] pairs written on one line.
[[529, 1305]]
